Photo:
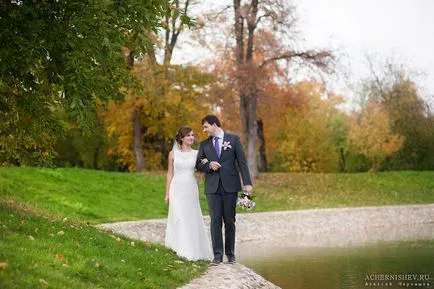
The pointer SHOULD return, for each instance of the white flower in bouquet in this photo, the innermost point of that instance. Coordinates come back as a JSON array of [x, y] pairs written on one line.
[[245, 201]]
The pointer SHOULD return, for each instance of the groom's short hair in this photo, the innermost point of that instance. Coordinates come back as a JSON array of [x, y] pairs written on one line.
[[211, 119]]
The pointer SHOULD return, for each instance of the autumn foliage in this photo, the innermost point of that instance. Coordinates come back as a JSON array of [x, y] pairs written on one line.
[[165, 103], [371, 135]]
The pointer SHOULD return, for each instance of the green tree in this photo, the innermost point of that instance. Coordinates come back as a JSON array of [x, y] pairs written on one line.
[[393, 86], [61, 56]]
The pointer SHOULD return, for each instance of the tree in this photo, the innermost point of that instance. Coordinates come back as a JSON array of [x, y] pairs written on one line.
[[394, 87], [61, 55], [300, 128], [147, 120], [160, 114], [173, 21], [262, 31], [370, 134]]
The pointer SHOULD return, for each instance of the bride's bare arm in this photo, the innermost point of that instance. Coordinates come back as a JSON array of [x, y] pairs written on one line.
[[169, 176]]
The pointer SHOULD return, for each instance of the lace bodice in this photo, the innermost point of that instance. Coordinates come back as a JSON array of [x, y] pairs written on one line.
[[184, 163]]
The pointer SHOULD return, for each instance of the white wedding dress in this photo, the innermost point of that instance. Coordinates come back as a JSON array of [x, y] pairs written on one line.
[[185, 231]]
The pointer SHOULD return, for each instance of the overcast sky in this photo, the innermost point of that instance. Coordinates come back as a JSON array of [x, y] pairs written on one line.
[[403, 29]]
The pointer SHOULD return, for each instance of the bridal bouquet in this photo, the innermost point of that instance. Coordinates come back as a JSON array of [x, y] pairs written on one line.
[[245, 201]]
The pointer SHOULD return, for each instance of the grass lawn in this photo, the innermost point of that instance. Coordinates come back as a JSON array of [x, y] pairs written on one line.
[[46, 237], [280, 191], [87, 195], [98, 196], [37, 251]]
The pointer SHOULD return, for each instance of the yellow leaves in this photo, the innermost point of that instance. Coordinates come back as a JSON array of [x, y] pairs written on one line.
[[31, 237], [170, 96], [297, 127], [370, 134], [3, 265], [43, 282], [60, 233], [148, 245]]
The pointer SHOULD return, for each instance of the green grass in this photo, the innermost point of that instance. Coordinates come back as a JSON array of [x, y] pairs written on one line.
[[34, 203], [280, 191], [98, 196], [88, 195], [37, 250]]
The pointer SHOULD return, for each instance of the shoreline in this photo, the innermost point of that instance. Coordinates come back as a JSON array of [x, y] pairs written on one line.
[[301, 228]]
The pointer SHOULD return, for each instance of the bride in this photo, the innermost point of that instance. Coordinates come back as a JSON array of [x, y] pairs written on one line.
[[185, 231]]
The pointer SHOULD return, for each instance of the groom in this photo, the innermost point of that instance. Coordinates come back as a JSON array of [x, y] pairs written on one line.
[[218, 158]]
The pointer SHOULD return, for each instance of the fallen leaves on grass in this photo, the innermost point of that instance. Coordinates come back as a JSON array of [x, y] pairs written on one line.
[[4, 265], [148, 245], [61, 258]]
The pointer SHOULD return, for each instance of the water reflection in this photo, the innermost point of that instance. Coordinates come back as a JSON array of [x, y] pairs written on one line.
[[346, 264]]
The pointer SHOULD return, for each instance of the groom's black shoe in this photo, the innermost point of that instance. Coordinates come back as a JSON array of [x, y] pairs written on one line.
[[216, 262], [231, 260]]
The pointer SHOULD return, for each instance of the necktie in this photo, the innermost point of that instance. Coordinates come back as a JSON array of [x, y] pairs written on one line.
[[217, 146]]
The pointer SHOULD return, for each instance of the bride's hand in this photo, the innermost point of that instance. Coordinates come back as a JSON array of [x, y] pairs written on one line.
[[215, 165], [166, 199], [204, 161]]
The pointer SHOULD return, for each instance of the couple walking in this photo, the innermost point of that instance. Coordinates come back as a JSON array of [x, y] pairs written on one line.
[[219, 157]]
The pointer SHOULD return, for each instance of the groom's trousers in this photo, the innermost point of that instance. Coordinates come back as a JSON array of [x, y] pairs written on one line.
[[221, 206]]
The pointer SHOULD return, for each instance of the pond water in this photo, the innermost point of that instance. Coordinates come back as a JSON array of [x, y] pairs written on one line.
[[349, 267], [405, 263]]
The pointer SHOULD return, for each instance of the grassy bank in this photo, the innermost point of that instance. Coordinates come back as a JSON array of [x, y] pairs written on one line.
[[280, 191], [37, 250], [50, 241], [87, 195], [98, 196]]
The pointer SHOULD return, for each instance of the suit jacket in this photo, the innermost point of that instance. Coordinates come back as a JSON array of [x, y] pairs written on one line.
[[233, 163]]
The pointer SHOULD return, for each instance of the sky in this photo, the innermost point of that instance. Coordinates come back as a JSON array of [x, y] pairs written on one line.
[[401, 29]]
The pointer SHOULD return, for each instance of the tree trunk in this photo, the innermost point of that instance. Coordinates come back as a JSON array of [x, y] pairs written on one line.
[[248, 102], [244, 113], [137, 128], [131, 59], [95, 158], [137, 140], [263, 166], [253, 136], [341, 160]]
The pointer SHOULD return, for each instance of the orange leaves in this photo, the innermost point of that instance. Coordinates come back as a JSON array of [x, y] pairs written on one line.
[[61, 258]]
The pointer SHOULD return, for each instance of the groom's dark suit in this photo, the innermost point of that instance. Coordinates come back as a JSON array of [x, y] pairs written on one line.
[[221, 188]]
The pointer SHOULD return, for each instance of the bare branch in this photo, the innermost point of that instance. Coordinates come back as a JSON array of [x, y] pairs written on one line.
[[319, 59], [222, 11], [268, 14]]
